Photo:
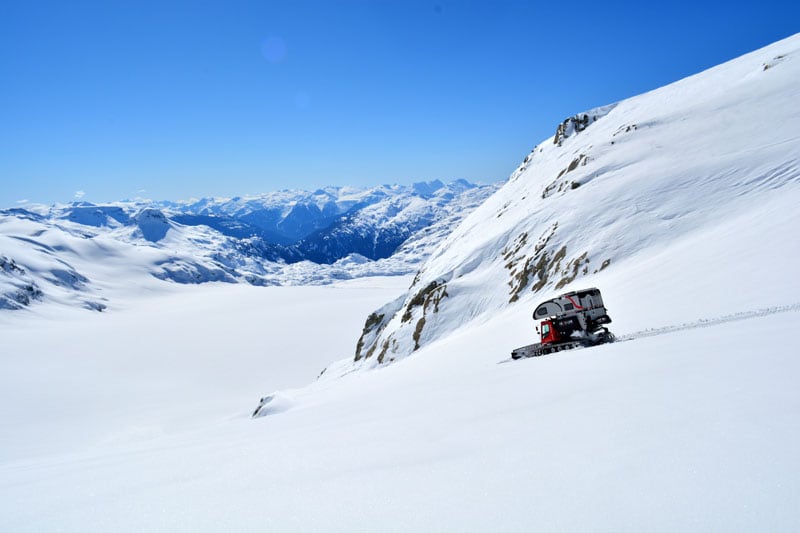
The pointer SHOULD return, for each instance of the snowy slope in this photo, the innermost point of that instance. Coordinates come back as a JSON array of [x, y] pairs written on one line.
[[139, 420], [710, 163], [72, 263]]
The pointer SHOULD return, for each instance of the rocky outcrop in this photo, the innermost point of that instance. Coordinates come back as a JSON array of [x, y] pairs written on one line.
[[17, 289], [577, 123]]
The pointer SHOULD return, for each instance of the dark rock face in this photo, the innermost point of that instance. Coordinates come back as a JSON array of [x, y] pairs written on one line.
[[21, 290], [572, 125]]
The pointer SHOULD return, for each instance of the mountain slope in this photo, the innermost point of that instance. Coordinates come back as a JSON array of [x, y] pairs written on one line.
[[619, 184]]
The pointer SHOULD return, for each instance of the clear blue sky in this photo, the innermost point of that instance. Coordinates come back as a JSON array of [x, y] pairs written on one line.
[[108, 100]]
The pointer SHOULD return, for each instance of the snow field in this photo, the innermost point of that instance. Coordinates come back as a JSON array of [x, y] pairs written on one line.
[[72, 379], [694, 430]]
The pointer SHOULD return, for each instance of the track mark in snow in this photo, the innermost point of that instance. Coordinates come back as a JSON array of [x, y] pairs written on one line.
[[706, 322], [702, 323]]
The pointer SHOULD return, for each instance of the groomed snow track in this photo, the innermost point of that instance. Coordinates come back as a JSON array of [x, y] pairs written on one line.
[[708, 322], [701, 323]]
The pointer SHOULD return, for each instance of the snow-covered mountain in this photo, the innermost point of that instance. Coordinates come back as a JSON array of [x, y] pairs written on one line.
[[80, 253], [289, 216], [619, 190], [134, 420]]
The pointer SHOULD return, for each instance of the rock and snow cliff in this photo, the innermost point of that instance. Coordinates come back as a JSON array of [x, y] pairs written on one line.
[[612, 185]]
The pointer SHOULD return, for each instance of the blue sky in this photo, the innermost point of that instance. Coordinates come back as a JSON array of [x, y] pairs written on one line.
[[169, 100]]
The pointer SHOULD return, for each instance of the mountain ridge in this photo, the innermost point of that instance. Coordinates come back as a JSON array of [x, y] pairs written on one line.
[[336, 233], [616, 182]]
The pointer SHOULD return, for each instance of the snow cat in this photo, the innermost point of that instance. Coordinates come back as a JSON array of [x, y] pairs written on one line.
[[573, 320]]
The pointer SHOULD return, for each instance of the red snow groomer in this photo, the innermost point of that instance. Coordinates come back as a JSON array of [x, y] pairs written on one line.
[[573, 320]]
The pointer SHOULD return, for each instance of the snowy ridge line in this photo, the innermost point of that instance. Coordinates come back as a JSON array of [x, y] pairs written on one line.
[[659, 169], [707, 322]]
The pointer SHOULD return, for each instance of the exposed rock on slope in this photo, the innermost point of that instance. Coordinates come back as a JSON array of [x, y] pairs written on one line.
[[17, 288]]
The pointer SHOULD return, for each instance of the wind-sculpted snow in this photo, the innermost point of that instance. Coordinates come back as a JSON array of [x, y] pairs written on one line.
[[635, 179]]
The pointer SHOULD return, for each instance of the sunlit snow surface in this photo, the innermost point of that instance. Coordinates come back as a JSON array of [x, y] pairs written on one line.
[[138, 419]]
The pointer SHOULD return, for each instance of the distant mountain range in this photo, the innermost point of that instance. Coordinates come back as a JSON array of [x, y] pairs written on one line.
[[284, 237]]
